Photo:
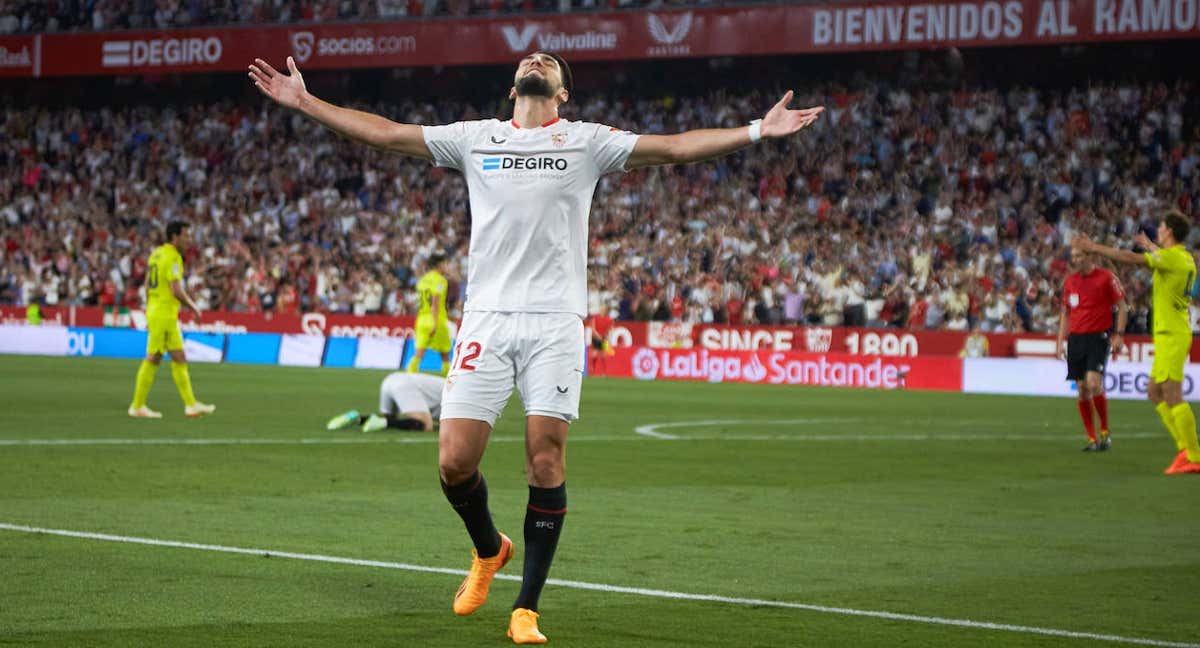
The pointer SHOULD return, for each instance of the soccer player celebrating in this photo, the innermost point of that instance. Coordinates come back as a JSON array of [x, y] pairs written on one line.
[[164, 294], [1174, 271], [406, 402], [530, 181], [433, 331], [1089, 294]]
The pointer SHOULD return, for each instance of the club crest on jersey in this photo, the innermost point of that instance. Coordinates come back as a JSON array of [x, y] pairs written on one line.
[[559, 139], [1073, 300]]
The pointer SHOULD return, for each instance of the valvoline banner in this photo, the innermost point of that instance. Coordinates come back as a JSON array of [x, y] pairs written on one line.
[[788, 368]]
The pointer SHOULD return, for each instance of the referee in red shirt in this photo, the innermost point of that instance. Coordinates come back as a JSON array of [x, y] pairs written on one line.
[[1089, 294]]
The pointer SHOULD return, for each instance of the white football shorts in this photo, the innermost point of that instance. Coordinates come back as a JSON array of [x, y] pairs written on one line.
[[404, 393], [542, 353]]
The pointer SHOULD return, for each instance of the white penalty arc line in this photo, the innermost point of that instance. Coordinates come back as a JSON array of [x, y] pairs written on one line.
[[651, 430], [615, 589]]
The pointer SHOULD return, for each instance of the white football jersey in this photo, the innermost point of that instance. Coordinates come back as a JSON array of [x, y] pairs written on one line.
[[531, 193], [403, 392]]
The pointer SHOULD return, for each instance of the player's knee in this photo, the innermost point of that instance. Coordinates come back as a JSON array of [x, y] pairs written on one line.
[[546, 466], [1154, 393], [454, 471]]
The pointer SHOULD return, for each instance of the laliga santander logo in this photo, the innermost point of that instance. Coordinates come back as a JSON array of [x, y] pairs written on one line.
[[313, 323], [754, 371], [645, 364], [302, 47]]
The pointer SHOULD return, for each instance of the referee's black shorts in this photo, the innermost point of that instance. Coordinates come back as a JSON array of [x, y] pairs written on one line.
[[1086, 352]]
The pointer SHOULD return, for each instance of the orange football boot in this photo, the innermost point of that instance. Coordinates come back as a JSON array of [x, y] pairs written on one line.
[[1180, 459], [474, 589], [522, 627]]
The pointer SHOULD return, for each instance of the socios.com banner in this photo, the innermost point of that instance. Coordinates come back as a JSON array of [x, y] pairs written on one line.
[[788, 368]]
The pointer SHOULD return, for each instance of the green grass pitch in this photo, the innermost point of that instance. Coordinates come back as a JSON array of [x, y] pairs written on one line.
[[932, 505]]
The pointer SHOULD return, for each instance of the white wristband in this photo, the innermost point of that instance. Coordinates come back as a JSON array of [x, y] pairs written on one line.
[[755, 130]]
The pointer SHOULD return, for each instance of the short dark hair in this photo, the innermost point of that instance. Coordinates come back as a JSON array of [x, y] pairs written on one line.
[[175, 227], [436, 259], [568, 79], [1178, 224]]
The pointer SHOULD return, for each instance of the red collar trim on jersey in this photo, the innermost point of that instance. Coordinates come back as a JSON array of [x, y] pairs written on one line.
[[549, 123]]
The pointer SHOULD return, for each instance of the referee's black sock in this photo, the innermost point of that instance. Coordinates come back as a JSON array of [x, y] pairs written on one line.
[[543, 524], [470, 501]]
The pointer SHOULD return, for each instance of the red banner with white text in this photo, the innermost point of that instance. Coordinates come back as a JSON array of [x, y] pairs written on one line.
[[887, 342], [600, 36], [786, 368]]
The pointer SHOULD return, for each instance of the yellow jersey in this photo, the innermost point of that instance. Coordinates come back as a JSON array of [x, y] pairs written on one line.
[[166, 266], [432, 284], [1174, 272]]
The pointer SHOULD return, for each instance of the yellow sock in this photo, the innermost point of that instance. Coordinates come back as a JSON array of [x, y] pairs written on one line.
[[1168, 419], [414, 363], [1185, 427], [145, 380], [183, 382]]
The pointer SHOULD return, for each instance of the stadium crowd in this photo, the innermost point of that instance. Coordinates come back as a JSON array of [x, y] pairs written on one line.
[[35, 16], [900, 207]]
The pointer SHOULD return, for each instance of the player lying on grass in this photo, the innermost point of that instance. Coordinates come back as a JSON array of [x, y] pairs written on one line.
[[406, 402]]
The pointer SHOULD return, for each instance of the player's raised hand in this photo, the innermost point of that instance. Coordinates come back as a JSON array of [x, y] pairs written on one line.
[[781, 121], [286, 90], [1144, 242]]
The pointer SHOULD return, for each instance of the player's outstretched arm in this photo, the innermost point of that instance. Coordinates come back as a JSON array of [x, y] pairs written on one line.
[[288, 90], [708, 143], [1120, 256]]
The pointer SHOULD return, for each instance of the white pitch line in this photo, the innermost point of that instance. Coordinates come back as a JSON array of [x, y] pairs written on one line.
[[652, 430], [375, 440], [614, 589]]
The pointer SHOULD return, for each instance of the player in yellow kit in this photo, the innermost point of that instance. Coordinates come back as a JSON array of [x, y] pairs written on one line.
[[1173, 285], [164, 295], [433, 329]]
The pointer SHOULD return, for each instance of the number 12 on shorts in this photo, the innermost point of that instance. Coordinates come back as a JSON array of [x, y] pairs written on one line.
[[466, 362]]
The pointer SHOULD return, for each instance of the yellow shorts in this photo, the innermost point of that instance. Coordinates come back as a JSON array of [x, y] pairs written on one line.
[[429, 338], [163, 336], [1170, 354]]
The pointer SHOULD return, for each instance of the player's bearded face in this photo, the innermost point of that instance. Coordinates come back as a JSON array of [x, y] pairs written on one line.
[[534, 84]]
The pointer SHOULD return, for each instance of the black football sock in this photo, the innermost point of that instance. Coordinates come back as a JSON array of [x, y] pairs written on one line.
[[470, 501], [362, 418], [543, 524], [404, 423]]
